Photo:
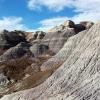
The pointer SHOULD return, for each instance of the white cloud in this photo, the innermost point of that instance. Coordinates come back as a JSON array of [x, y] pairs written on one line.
[[58, 5], [50, 23], [86, 9], [86, 5], [33, 4], [12, 23], [47, 24], [55, 5], [86, 16], [16, 23]]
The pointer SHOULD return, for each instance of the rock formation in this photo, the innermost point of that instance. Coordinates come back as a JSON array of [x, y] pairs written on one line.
[[39, 49], [55, 40], [66, 24], [52, 40], [78, 76], [31, 36], [83, 26], [3, 80], [87, 24], [10, 39], [75, 67], [64, 53], [15, 52]]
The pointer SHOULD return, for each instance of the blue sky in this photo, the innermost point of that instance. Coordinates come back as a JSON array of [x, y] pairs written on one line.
[[31, 15]]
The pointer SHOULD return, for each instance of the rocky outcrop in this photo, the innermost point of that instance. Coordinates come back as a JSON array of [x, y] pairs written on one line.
[[77, 78], [40, 35], [69, 24], [15, 52], [10, 39], [31, 36], [87, 24], [66, 24], [52, 41], [55, 40], [38, 49], [57, 36], [79, 27], [64, 53], [83, 26], [3, 80]]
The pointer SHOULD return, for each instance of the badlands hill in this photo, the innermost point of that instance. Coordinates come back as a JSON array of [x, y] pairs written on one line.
[[62, 64]]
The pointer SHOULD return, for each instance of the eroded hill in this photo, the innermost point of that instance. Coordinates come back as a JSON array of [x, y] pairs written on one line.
[[62, 65]]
